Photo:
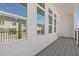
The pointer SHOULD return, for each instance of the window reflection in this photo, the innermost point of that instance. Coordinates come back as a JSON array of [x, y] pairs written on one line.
[[13, 21], [40, 21]]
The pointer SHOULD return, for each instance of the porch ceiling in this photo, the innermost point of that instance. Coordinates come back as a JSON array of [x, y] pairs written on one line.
[[66, 8]]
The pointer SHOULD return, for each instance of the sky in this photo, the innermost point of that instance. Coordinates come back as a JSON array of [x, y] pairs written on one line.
[[14, 8]]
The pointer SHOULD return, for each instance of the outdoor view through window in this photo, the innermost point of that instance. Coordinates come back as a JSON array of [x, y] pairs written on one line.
[[12, 21], [40, 19]]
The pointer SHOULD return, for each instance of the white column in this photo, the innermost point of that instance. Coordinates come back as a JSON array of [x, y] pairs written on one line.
[[31, 20], [46, 21]]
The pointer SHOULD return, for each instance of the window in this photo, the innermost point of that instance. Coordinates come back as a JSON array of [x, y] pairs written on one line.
[[40, 21], [50, 29], [55, 17], [55, 22], [13, 21], [50, 21], [54, 28], [42, 5]]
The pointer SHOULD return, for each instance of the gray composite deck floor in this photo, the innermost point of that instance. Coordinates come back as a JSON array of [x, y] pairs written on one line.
[[61, 47]]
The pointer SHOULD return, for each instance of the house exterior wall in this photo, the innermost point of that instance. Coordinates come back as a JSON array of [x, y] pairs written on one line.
[[34, 43]]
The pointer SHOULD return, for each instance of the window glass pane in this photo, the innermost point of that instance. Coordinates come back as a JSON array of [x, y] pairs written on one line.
[[54, 21], [50, 11], [50, 19], [40, 11], [40, 21], [40, 29], [50, 28], [42, 5], [54, 28]]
